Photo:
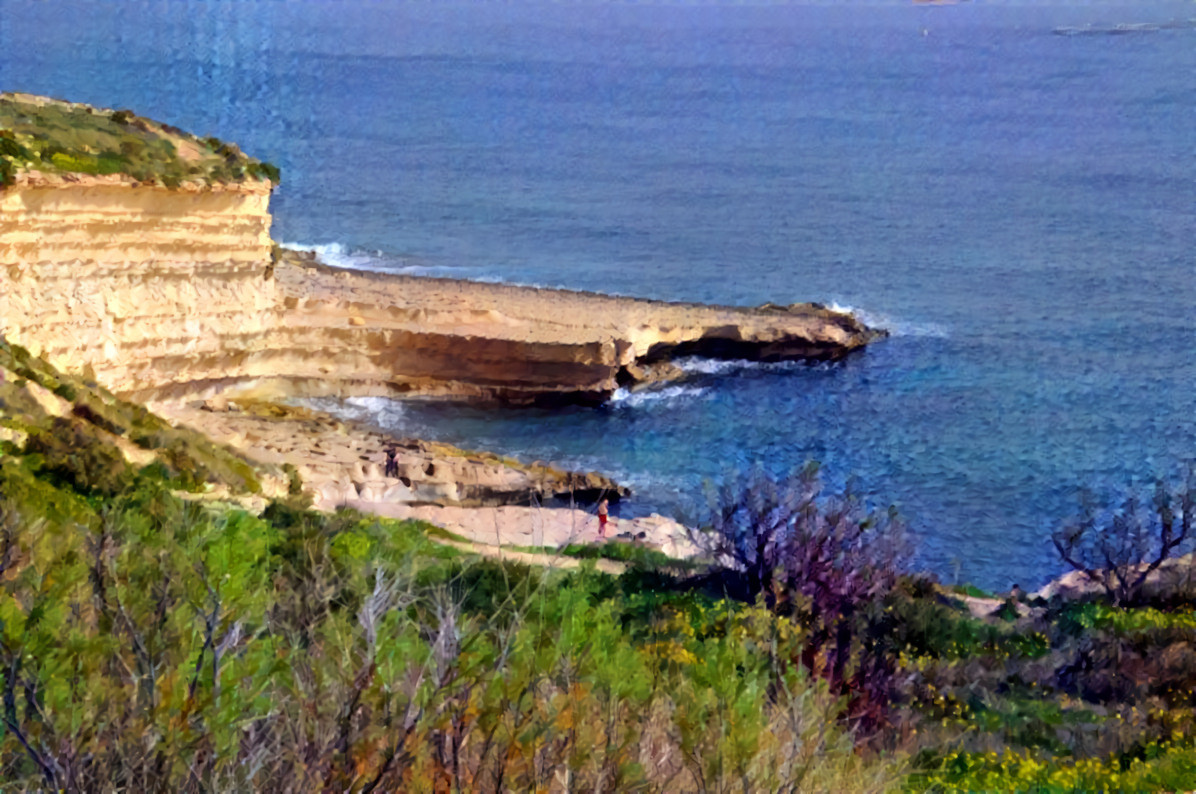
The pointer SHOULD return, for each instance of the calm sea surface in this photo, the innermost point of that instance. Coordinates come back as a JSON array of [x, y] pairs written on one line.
[[1016, 206]]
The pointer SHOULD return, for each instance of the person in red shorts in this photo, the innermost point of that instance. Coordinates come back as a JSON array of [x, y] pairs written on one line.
[[603, 516]]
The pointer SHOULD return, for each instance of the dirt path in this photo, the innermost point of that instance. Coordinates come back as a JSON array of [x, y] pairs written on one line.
[[545, 560]]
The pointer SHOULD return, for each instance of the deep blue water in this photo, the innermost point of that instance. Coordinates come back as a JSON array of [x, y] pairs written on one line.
[[1016, 206]]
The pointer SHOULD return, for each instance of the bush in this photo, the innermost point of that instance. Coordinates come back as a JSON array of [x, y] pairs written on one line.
[[784, 540], [294, 481], [1121, 548], [71, 453], [172, 647], [635, 555], [827, 561]]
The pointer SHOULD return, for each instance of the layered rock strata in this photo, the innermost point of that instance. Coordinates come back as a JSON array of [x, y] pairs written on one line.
[[342, 462], [150, 287], [386, 334], [179, 292]]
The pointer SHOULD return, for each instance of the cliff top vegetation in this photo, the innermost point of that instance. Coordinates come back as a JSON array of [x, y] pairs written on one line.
[[51, 136], [74, 431]]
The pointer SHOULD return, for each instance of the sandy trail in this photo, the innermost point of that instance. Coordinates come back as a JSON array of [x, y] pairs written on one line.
[[537, 527], [542, 559]]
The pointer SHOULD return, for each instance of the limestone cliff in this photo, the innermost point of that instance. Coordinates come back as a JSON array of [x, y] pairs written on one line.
[[381, 333], [143, 254], [150, 287], [167, 292]]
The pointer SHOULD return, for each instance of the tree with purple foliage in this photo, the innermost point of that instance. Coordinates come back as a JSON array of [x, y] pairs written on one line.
[[827, 560], [785, 538]]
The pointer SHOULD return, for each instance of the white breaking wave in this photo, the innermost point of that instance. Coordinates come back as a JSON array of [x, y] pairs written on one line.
[[337, 255], [634, 399], [699, 365], [383, 411], [380, 411], [894, 327]]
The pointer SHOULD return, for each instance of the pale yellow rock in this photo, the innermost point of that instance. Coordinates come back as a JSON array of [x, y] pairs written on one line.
[[152, 287], [13, 435], [170, 293], [50, 402]]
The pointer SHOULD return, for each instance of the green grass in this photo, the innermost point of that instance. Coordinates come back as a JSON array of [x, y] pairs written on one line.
[[1168, 767], [630, 553], [1081, 617], [971, 590], [1079, 696], [925, 627], [633, 554], [57, 137], [79, 446], [441, 533]]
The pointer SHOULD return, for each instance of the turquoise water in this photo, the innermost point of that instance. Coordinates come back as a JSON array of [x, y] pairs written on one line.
[[1017, 206]]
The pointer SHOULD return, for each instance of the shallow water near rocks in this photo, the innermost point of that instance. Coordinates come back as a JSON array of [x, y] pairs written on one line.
[[1016, 205]]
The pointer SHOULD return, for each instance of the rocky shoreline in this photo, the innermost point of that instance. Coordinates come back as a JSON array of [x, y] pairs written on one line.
[[482, 497], [388, 334], [366, 333], [158, 280]]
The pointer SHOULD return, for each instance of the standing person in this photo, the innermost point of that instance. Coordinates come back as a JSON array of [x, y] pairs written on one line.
[[603, 513], [392, 465]]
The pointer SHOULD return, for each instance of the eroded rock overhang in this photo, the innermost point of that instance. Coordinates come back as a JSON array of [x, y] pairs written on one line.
[[385, 334], [168, 293]]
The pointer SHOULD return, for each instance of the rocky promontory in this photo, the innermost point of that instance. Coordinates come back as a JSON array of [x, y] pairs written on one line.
[[139, 256], [142, 253], [386, 334]]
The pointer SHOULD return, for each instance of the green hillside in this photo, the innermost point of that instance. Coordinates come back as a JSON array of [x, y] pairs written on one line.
[[71, 431], [153, 642], [55, 137]]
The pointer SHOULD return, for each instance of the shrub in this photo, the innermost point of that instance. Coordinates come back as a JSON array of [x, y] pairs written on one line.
[[827, 561], [190, 473], [66, 391], [165, 645], [91, 411], [783, 539], [9, 146], [635, 555], [71, 453], [1119, 550], [294, 481]]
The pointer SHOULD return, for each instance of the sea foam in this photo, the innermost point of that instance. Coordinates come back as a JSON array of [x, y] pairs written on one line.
[[339, 255], [699, 365], [382, 412], [630, 399], [894, 327]]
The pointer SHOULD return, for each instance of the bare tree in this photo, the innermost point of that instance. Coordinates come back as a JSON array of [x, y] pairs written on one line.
[[787, 535], [827, 560], [1120, 550]]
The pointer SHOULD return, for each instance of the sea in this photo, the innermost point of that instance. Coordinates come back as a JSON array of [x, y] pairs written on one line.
[[1008, 187]]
